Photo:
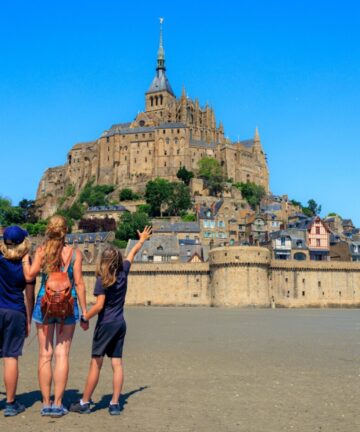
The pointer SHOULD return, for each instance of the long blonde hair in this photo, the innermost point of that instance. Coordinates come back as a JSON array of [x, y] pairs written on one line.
[[15, 252], [110, 265], [55, 241]]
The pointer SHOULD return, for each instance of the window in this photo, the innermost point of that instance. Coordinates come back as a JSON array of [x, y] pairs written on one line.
[[221, 224], [317, 230], [283, 241], [318, 243]]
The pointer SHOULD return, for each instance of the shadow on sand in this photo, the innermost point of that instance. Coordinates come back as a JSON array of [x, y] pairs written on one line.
[[105, 400], [70, 396]]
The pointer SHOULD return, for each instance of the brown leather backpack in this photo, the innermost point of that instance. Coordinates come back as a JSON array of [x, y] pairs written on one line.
[[57, 302]]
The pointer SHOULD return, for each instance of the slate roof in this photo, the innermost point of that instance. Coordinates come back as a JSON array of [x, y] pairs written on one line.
[[247, 143], [118, 208], [171, 125], [213, 210], [156, 245], [202, 144], [271, 207], [297, 240], [176, 227], [88, 237], [160, 83]]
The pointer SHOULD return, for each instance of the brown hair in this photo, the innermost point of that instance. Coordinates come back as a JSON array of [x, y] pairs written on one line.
[[15, 252], [55, 241], [110, 265]]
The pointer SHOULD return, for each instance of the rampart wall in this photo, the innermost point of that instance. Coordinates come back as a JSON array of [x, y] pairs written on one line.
[[241, 277]]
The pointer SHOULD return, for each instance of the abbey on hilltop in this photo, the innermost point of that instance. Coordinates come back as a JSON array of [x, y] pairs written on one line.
[[170, 133]]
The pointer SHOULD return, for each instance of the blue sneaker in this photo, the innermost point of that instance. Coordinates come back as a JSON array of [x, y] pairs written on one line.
[[114, 409], [46, 410], [13, 409], [81, 408], [58, 411]]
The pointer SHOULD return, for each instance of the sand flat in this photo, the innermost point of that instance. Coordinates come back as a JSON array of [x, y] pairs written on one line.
[[212, 369]]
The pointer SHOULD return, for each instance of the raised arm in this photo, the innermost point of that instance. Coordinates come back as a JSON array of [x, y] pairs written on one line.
[[32, 269], [143, 236]]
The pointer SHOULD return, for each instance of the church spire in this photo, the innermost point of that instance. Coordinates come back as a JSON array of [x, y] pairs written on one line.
[[161, 52], [257, 136]]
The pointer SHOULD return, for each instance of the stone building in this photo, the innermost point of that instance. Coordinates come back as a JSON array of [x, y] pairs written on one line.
[[171, 132]]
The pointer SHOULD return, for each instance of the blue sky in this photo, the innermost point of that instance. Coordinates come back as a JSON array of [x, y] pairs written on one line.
[[70, 69]]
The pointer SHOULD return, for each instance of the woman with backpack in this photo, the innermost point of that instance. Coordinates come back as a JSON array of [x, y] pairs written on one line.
[[56, 310], [15, 311]]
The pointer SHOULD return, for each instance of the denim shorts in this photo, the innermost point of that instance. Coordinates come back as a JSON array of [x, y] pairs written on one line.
[[38, 316]]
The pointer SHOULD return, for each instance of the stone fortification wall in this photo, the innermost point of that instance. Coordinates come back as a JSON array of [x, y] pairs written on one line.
[[315, 284], [164, 284], [239, 276]]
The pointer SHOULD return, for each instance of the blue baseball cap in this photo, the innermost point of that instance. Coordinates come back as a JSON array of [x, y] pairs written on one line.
[[14, 235]]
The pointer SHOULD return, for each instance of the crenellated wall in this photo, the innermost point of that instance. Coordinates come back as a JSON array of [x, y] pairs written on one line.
[[241, 277], [315, 284]]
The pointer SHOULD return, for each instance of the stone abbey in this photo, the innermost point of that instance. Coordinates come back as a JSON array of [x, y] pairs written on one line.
[[171, 133]]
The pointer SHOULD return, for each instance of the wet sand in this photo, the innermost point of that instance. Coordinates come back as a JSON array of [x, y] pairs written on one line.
[[209, 369]]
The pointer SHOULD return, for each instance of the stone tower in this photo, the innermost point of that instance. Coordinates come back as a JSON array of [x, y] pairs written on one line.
[[160, 93]]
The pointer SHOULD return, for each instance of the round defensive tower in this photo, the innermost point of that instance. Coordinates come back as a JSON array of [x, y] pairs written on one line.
[[239, 276]]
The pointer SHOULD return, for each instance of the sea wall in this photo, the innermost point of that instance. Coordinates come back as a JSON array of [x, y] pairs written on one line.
[[164, 284], [241, 277]]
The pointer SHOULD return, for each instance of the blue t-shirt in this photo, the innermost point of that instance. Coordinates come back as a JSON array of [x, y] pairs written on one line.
[[115, 294], [12, 285]]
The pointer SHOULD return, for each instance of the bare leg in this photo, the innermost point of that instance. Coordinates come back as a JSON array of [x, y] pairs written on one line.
[[61, 369], [11, 374], [118, 379], [45, 338], [92, 378]]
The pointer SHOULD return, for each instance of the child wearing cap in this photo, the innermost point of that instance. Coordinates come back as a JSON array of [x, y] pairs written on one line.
[[110, 291], [15, 311]]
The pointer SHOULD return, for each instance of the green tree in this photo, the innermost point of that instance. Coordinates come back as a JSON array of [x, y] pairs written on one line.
[[29, 210], [179, 198], [188, 217], [37, 228], [210, 171], [184, 175], [95, 195], [10, 215], [296, 203], [128, 195], [130, 223], [157, 194], [252, 192], [70, 191], [314, 208]]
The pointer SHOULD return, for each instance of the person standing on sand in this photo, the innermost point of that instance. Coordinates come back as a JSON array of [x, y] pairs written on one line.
[[110, 291], [15, 313], [54, 256]]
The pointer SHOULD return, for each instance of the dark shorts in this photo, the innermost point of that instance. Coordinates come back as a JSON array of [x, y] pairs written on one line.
[[12, 332], [109, 339]]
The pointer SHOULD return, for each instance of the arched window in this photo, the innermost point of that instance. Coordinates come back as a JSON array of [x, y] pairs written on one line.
[[161, 99], [156, 100], [152, 101]]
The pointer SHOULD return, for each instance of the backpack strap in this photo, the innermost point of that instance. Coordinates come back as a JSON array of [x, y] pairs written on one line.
[[70, 260]]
